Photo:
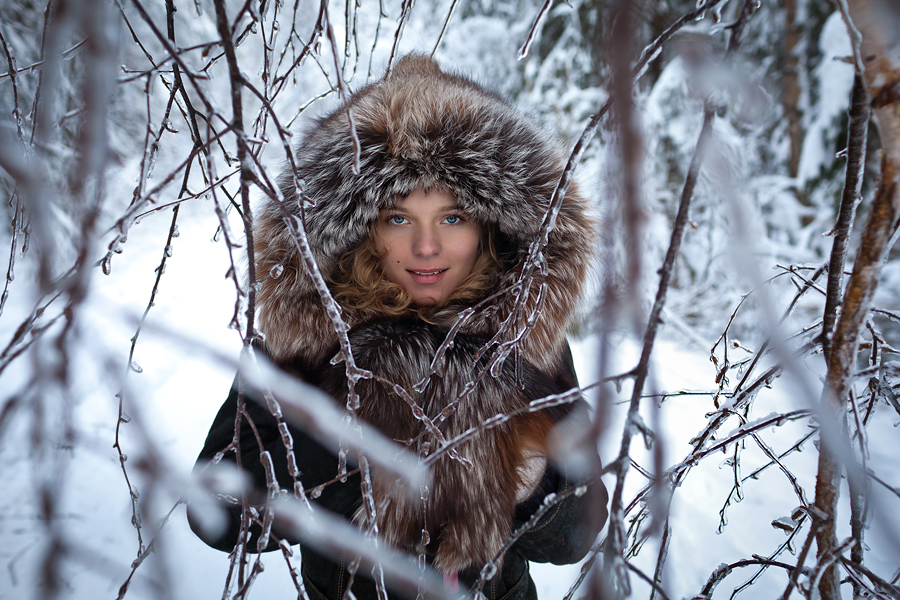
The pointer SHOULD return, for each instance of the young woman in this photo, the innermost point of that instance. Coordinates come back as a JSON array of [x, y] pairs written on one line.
[[451, 193]]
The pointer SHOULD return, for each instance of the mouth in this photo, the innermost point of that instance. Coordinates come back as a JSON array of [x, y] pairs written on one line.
[[426, 276]]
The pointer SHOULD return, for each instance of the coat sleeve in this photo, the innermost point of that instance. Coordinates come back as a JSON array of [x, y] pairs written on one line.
[[318, 465], [566, 533]]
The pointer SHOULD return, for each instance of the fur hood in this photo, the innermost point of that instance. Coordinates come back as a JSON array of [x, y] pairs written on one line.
[[422, 127]]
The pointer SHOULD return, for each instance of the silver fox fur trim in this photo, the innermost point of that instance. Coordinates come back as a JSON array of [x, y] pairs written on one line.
[[422, 127]]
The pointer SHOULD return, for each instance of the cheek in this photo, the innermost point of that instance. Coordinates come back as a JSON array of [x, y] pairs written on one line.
[[389, 259], [472, 245], [381, 249]]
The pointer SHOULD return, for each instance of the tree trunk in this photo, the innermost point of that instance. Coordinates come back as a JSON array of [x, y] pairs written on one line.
[[790, 95]]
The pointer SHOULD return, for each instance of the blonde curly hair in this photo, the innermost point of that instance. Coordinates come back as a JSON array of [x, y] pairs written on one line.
[[358, 282]]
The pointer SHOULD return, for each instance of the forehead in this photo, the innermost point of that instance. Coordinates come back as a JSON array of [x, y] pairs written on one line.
[[426, 201]]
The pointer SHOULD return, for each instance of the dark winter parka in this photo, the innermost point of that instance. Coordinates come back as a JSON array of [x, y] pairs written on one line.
[[421, 128]]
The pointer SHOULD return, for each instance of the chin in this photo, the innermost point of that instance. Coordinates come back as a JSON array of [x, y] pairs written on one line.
[[426, 300]]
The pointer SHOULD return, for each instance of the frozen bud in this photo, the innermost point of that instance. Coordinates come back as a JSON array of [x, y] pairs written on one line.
[[106, 264], [785, 524]]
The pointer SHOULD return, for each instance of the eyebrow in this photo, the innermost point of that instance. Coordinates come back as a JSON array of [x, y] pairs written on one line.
[[448, 207]]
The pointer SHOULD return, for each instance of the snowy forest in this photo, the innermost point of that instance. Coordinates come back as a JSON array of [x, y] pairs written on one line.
[[739, 348]]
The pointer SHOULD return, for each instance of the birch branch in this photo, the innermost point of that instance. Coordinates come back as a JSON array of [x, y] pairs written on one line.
[[856, 163], [879, 52]]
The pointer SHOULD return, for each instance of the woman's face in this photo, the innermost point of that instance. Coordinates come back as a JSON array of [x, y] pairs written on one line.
[[427, 245]]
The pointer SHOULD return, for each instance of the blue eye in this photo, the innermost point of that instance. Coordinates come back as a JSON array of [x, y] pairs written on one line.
[[453, 219], [396, 219]]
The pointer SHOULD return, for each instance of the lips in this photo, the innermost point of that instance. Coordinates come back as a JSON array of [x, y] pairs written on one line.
[[426, 276], [432, 272]]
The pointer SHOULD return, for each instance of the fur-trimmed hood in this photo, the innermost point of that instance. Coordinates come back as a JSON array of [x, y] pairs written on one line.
[[421, 127]]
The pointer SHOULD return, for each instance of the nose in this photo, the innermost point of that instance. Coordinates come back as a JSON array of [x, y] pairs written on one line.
[[426, 242]]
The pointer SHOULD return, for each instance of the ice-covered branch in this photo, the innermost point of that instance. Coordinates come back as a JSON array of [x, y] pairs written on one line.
[[642, 370], [630, 147], [310, 408], [749, 428], [237, 124], [724, 570], [489, 570], [882, 69], [857, 138], [342, 88], [332, 534]]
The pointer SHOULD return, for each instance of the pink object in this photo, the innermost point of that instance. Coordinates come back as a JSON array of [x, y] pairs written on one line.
[[451, 581]]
